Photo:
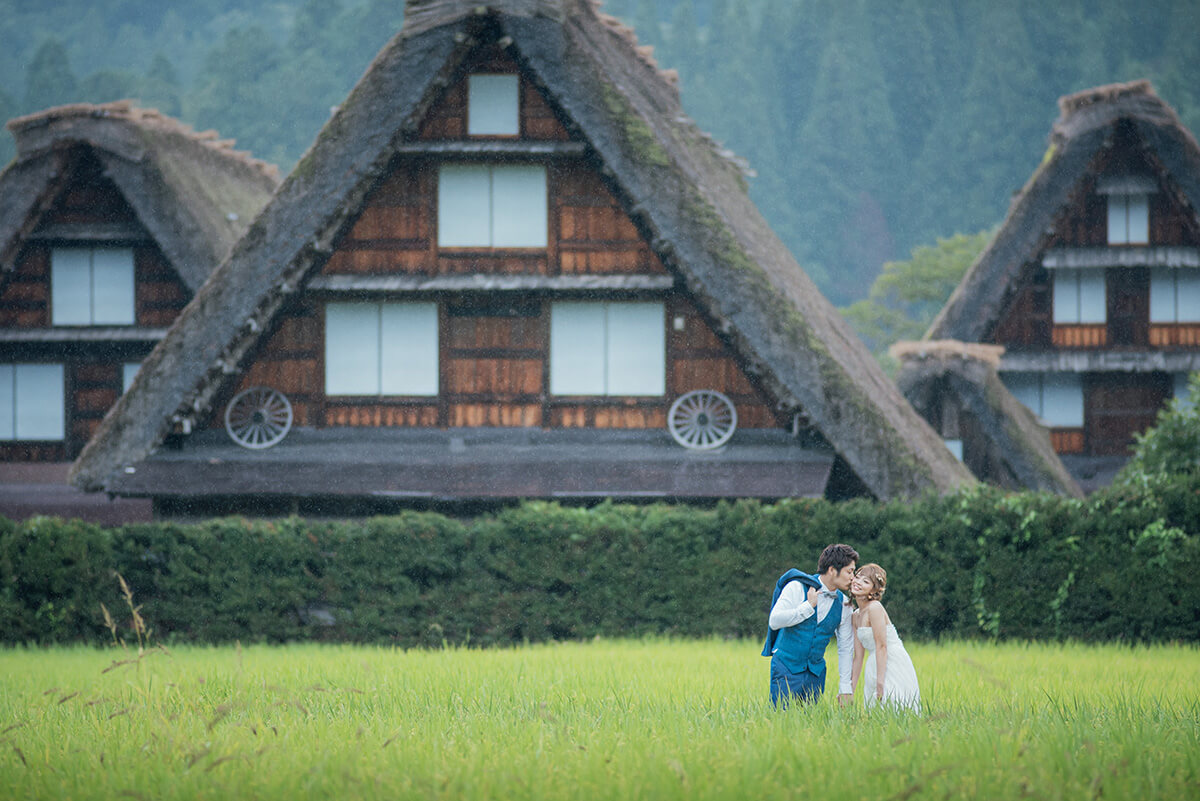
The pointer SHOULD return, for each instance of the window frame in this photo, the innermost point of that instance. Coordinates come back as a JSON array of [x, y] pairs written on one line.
[[1120, 209], [10, 406], [392, 355], [467, 173], [1068, 296], [611, 378], [486, 96], [61, 293]]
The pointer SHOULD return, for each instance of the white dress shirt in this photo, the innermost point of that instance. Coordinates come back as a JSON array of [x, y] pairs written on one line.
[[793, 608]]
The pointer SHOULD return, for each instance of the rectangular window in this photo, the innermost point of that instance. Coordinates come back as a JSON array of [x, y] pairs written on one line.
[[129, 371], [381, 349], [493, 105], [31, 402], [503, 206], [1079, 296], [1128, 219], [614, 348], [1056, 398], [1174, 295], [91, 286]]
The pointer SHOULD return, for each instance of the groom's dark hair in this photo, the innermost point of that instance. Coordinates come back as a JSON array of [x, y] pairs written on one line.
[[837, 557]]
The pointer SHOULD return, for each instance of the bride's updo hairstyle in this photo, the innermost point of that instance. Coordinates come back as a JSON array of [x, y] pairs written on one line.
[[878, 578]]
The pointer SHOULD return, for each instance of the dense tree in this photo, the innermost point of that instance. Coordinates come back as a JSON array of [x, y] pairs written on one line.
[[907, 295], [874, 126], [159, 87], [50, 81]]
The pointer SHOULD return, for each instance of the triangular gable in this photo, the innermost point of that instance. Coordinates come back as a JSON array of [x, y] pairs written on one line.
[[1084, 130], [1016, 448], [689, 196], [192, 193]]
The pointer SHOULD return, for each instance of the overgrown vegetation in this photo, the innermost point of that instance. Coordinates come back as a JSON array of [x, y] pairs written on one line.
[[979, 563]]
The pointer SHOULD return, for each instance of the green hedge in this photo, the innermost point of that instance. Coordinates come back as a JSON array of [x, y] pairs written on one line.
[[1121, 565]]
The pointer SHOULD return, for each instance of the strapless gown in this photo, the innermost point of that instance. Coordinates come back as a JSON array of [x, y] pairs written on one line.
[[900, 688]]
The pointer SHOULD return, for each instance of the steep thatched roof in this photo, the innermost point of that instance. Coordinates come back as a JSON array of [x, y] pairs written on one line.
[[684, 192], [1019, 454], [192, 192], [1085, 127]]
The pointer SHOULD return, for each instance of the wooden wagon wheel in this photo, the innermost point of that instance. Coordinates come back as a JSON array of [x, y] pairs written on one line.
[[258, 417], [702, 419]]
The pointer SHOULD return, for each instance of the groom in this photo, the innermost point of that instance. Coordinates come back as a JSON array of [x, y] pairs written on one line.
[[806, 612]]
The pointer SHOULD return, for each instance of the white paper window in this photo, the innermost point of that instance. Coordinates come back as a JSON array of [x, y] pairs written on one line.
[[129, 371], [1079, 296], [483, 205], [1056, 398], [493, 105], [381, 349], [955, 446], [1128, 219], [31, 402], [1027, 388], [1174, 295], [91, 286], [616, 348], [1062, 400]]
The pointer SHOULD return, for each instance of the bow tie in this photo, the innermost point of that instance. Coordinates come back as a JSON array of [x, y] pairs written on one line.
[[827, 593]]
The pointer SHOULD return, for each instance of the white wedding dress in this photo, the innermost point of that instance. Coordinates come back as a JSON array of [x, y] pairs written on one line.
[[900, 688]]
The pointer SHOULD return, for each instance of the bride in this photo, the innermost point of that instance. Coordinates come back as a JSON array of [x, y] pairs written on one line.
[[892, 680]]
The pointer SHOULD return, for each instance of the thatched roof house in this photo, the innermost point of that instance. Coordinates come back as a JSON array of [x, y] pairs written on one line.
[[614, 116], [111, 218], [193, 194], [955, 386], [1091, 282]]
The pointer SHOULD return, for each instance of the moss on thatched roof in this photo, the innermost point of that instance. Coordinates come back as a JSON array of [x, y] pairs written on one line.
[[191, 191], [687, 194]]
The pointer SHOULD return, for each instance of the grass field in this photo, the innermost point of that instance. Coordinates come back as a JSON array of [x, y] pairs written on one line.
[[605, 719]]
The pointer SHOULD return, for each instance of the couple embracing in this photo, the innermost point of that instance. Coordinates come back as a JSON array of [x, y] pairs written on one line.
[[843, 603]]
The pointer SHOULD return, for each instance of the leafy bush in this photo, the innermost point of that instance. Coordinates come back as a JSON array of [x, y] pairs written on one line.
[[977, 563]]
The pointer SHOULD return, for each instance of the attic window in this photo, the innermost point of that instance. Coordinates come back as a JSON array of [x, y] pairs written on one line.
[[1056, 398], [91, 286], [1079, 296], [493, 105], [381, 349], [31, 402], [501, 206], [607, 349], [1128, 219], [1174, 295]]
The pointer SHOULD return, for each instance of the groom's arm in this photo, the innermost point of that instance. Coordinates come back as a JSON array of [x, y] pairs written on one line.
[[791, 608]]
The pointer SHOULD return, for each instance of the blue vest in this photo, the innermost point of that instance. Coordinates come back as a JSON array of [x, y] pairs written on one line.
[[802, 647]]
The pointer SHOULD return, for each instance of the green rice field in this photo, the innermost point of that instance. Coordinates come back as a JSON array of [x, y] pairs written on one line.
[[603, 719]]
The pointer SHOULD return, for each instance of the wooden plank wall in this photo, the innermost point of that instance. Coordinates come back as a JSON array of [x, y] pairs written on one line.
[[494, 360], [494, 348], [93, 373], [1026, 322]]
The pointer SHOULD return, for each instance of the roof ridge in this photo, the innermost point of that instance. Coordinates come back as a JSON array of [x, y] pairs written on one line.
[[146, 118]]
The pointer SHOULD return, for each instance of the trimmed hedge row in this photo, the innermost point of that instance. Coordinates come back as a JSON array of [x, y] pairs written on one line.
[[1121, 565]]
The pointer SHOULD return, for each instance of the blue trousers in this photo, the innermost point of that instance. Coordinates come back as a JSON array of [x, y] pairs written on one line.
[[804, 686]]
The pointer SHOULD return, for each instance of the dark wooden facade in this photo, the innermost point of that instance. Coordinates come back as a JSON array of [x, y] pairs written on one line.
[[1122, 402], [494, 342], [86, 209]]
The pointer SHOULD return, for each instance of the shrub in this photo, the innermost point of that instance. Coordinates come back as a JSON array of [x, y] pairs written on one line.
[[977, 563]]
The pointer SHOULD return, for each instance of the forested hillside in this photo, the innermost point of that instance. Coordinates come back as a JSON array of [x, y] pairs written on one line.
[[874, 125]]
